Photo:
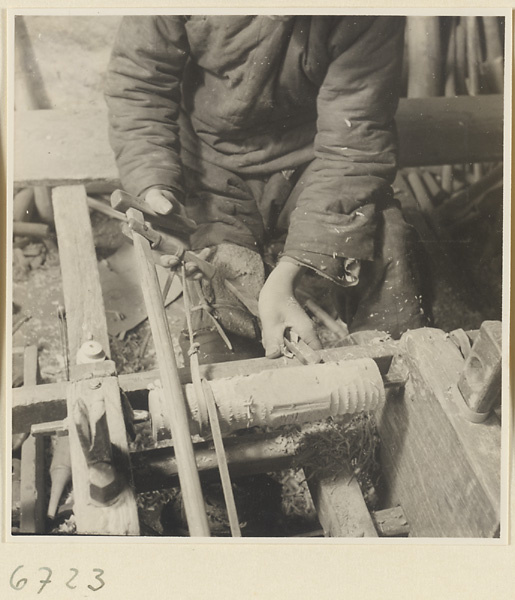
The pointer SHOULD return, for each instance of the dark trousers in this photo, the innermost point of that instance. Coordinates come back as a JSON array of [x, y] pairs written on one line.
[[393, 294]]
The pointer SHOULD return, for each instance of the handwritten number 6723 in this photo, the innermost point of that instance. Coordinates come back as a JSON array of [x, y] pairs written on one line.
[[19, 584]]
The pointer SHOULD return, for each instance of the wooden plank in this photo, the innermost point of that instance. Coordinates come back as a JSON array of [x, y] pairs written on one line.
[[37, 404], [85, 320], [47, 402], [85, 313], [121, 517], [340, 506], [442, 469], [65, 147]]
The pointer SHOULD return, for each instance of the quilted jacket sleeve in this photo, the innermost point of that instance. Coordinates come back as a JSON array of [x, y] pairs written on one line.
[[355, 150], [143, 94]]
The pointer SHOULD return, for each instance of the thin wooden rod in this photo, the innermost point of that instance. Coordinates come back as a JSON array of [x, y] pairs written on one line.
[[175, 405], [203, 392]]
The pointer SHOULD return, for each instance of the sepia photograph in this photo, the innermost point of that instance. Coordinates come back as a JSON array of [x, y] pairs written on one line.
[[258, 277]]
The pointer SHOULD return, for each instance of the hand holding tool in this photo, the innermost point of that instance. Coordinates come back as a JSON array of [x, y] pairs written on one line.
[[180, 224], [167, 244], [304, 353]]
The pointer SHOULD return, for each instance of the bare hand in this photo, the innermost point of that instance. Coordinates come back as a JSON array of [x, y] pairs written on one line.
[[279, 309]]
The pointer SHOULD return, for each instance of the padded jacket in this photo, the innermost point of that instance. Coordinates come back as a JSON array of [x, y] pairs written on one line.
[[256, 95]]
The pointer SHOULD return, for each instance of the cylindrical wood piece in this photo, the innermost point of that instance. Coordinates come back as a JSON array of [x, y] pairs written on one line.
[[38, 230], [303, 394], [188, 475], [23, 205], [43, 200]]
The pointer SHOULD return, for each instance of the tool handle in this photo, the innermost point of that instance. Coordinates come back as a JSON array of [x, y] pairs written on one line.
[[304, 353], [122, 201], [171, 245]]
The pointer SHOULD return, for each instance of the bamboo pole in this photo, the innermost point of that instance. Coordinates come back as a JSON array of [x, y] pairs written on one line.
[[175, 405], [492, 70], [492, 37], [424, 57], [473, 60], [461, 59], [450, 90]]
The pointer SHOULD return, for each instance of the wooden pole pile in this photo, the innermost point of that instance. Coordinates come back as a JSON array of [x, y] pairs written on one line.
[[453, 56]]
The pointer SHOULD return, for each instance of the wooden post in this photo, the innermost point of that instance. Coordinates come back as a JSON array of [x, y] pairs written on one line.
[[341, 509], [32, 473], [85, 312], [85, 319], [188, 474], [120, 517]]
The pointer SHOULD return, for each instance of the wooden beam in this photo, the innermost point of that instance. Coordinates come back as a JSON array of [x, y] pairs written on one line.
[[340, 506], [442, 469], [47, 402], [58, 147], [85, 320], [85, 312]]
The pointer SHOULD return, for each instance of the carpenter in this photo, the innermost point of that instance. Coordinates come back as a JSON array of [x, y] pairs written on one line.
[[273, 129]]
